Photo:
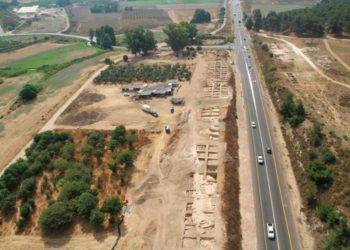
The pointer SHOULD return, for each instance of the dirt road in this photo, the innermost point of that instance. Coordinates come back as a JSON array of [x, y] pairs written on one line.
[[308, 60], [335, 55]]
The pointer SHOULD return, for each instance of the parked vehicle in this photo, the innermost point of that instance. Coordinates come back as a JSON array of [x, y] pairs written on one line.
[[148, 109]]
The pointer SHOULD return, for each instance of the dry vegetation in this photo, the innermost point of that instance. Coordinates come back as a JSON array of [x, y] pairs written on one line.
[[310, 145]]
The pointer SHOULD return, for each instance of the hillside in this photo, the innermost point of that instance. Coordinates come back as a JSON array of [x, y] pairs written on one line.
[[8, 21]]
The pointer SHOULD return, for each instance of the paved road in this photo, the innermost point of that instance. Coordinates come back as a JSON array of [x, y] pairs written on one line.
[[270, 193]]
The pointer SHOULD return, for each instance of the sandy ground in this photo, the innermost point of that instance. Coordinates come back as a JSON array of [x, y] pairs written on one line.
[[175, 195], [19, 54], [335, 55], [246, 197]]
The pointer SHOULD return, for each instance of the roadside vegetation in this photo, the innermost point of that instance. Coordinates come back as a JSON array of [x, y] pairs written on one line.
[[324, 158], [326, 17], [81, 177], [201, 16]]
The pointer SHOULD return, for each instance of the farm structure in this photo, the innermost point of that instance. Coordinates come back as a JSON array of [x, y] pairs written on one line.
[[145, 91], [28, 12]]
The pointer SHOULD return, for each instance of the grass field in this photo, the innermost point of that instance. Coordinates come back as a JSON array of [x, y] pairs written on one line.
[[152, 2], [57, 56], [280, 7]]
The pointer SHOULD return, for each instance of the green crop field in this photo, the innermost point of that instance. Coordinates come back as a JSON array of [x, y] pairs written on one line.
[[57, 56], [152, 2]]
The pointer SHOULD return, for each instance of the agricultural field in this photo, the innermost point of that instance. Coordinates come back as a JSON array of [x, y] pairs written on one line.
[[19, 121], [279, 6], [155, 2], [83, 20], [54, 20]]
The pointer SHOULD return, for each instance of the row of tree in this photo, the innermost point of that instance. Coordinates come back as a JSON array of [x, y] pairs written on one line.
[[104, 7], [328, 16]]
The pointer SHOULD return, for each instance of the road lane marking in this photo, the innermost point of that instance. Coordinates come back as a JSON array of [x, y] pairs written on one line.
[[263, 148]]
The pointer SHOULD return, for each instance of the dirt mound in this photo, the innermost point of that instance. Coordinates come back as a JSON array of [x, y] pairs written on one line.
[[85, 98], [82, 118]]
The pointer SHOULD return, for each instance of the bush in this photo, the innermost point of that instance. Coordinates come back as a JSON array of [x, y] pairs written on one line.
[[319, 173], [28, 92], [26, 209], [96, 139], [71, 190], [126, 157], [125, 58], [96, 218], [55, 218], [311, 195], [27, 188], [328, 214], [201, 16], [8, 203], [312, 155], [118, 136], [316, 135], [292, 113], [327, 156], [86, 203], [67, 151], [112, 206], [61, 165]]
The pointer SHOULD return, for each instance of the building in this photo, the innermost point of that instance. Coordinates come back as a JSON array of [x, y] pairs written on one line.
[[132, 87], [28, 12], [159, 90]]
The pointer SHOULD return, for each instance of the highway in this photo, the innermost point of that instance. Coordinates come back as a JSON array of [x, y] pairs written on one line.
[[270, 192]]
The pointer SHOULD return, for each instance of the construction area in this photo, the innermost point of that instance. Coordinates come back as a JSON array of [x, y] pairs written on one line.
[[180, 172]]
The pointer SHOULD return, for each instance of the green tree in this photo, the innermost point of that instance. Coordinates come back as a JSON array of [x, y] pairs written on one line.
[[112, 206], [8, 203], [140, 40], [177, 36], [106, 42], [249, 23], [55, 218], [72, 190], [28, 92], [327, 156], [86, 203], [87, 150], [201, 16], [67, 151], [126, 157], [125, 58], [257, 17], [63, 3], [27, 188], [96, 218], [91, 35]]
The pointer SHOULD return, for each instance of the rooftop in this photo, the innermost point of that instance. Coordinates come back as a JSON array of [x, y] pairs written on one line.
[[30, 9]]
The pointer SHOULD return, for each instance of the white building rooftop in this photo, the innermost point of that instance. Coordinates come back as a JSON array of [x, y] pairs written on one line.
[[28, 10]]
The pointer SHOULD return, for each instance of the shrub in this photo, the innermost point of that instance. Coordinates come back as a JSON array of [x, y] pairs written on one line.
[[71, 190], [316, 135], [27, 188], [87, 150], [328, 214], [108, 61], [125, 58], [312, 154], [67, 151], [319, 173], [328, 156], [96, 139], [55, 218], [61, 165], [118, 136], [311, 195], [28, 92], [86, 203], [126, 157], [26, 209], [8, 203], [112, 206], [96, 218]]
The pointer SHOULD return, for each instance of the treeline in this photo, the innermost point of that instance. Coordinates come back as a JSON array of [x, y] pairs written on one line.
[[104, 8], [331, 16], [201, 16], [143, 72], [222, 14], [52, 159]]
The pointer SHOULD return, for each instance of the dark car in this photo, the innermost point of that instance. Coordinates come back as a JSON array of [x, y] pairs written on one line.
[[269, 150]]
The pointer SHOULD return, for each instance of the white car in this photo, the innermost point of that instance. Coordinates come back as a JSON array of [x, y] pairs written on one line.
[[253, 125], [270, 231], [260, 159]]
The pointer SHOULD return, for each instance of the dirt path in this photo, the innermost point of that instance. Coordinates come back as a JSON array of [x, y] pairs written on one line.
[[50, 123], [246, 197], [335, 55], [67, 22], [307, 59]]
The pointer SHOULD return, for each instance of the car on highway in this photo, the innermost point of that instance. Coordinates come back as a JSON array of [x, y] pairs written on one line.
[[269, 150], [253, 125], [270, 231], [260, 159]]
